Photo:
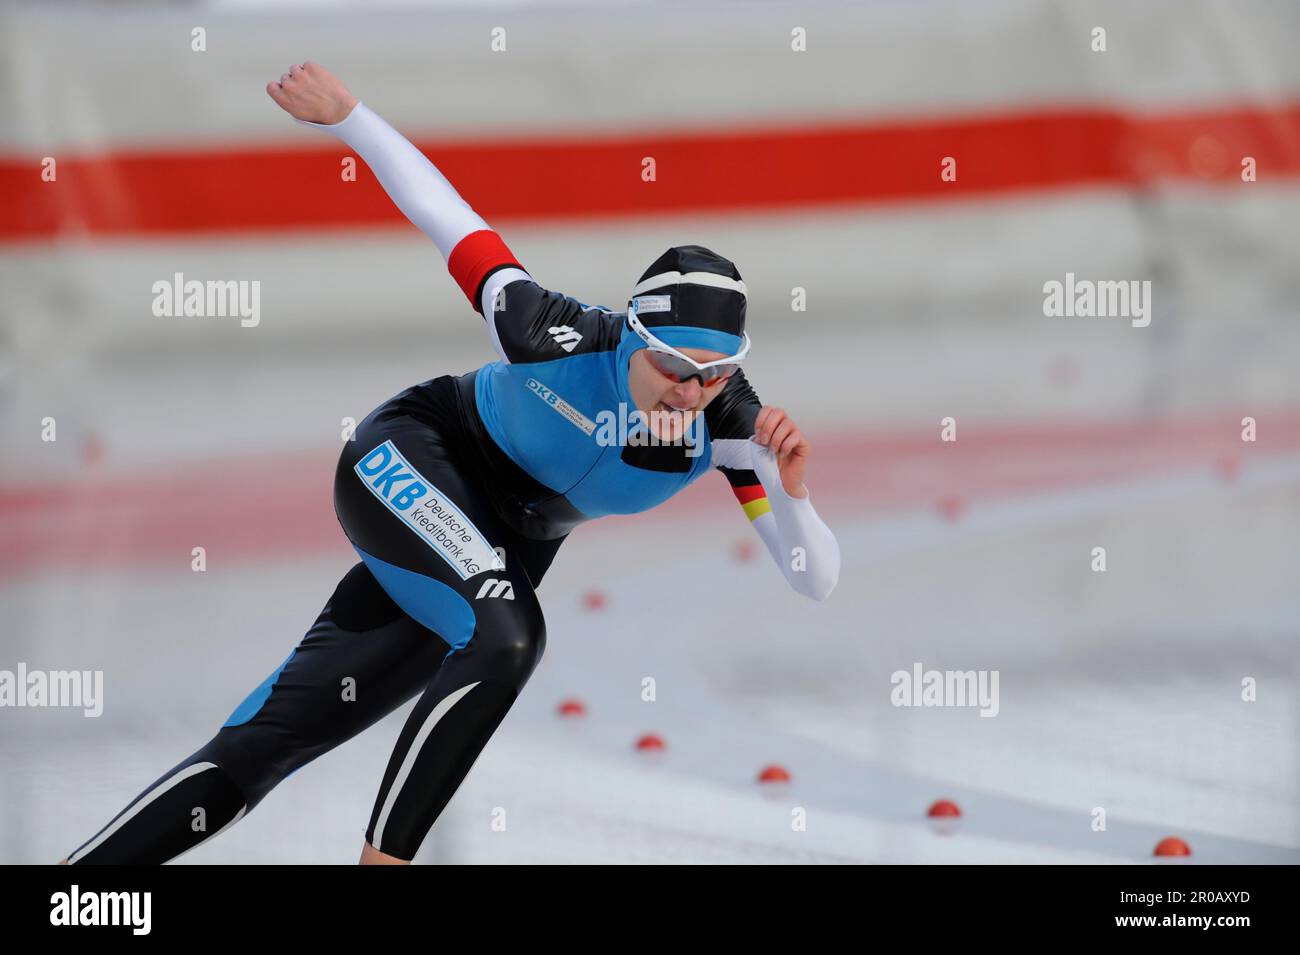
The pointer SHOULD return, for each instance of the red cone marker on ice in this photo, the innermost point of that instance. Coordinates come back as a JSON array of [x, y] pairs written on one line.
[[774, 774], [943, 807], [743, 551], [1172, 846], [952, 507], [650, 741], [572, 707], [92, 450], [594, 600], [1228, 468]]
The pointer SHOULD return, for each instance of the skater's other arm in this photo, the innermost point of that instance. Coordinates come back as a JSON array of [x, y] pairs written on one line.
[[764, 457], [476, 256]]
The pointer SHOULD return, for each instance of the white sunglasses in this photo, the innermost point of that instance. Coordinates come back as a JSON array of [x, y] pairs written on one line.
[[672, 364]]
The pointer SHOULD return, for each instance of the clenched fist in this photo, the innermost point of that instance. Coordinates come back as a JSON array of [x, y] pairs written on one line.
[[312, 93]]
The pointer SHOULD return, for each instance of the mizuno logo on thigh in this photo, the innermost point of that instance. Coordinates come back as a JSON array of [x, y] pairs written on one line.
[[492, 587]]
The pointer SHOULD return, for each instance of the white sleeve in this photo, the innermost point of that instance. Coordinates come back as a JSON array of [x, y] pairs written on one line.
[[813, 569], [414, 184]]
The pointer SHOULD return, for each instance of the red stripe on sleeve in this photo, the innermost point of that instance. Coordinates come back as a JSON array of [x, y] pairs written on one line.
[[751, 492], [474, 257]]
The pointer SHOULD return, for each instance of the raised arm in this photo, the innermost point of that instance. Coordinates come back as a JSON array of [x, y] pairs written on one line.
[[476, 256]]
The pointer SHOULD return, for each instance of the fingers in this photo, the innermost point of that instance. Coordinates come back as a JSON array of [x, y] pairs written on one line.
[[296, 71], [784, 438], [791, 442], [779, 430], [766, 423], [774, 429]]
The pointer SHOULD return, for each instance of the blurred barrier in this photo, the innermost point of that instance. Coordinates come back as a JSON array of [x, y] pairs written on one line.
[[817, 171], [155, 141]]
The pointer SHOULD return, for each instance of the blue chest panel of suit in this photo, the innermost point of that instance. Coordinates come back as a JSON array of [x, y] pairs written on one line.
[[559, 420]]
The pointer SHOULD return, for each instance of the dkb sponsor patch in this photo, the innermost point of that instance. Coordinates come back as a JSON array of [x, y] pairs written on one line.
[[427, 511]]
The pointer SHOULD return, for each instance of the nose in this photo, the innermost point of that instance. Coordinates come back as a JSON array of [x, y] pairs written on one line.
[[688, 391]]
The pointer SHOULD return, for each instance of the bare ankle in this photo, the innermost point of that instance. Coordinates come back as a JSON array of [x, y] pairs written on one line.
[[372, 856]]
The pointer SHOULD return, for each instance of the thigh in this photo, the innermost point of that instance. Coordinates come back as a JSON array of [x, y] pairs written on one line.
[[424, 525]]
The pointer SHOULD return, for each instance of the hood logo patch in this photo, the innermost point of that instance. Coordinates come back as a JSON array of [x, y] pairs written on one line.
[[653, 303]]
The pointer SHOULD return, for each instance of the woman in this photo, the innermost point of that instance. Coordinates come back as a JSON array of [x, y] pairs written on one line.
[[457, 493]]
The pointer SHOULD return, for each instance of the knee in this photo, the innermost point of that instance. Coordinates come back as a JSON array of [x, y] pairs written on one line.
[[512, 652], [245, 761]]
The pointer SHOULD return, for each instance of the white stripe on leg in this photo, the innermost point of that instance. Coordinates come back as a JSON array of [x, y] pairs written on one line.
[[127, 815], [439, 711]]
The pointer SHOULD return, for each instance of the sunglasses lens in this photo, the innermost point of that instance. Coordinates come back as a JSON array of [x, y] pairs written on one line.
[[670, 366]]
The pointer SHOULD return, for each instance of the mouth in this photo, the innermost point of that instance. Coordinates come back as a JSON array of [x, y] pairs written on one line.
[[669, 409]]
